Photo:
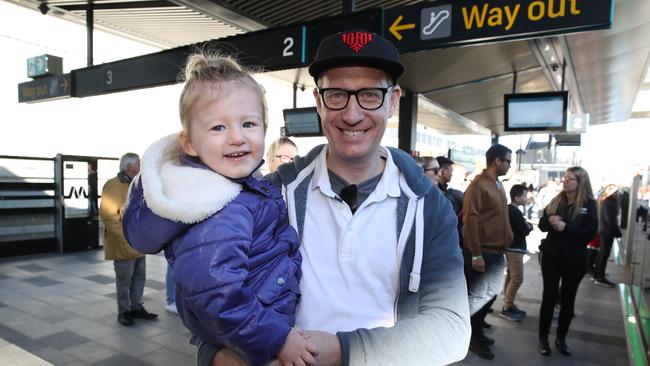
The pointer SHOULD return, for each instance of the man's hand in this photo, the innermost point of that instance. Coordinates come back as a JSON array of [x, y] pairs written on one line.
[[478, 264], [329, 348], [226, 357]]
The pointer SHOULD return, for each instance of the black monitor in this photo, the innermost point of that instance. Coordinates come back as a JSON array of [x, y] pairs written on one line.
[[545, 111], [302, 122]]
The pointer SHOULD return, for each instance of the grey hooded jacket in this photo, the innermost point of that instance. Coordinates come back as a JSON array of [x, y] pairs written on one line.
[[432, 308]]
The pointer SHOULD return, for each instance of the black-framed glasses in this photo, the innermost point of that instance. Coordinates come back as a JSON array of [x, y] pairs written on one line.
[[508, 160], [435, 170], [284, 158], [368, 98]]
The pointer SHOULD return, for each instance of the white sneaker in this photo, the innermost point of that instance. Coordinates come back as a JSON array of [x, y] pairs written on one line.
[[171, 308]]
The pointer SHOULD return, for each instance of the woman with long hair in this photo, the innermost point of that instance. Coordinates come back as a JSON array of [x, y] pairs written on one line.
[[571, 220], [608, 229]]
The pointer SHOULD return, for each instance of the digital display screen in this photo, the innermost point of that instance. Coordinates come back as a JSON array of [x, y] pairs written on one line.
[[536, 111], [302, 122]]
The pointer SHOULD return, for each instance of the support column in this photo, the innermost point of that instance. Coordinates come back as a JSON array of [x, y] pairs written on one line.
[[90, 20], [408, 121]]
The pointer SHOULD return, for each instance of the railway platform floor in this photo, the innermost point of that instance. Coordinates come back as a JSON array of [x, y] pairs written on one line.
[[60, 309]]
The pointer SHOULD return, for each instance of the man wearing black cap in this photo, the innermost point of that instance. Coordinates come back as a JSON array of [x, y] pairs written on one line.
[[446, 172], [382, 274]]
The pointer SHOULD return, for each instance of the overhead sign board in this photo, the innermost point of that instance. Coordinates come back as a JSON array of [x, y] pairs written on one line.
[[451, 22], [155, 69], [417, 27], [272, 49], [45, 88]]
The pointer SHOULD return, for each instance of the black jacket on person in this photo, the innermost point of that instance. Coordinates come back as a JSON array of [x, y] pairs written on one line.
[[454, 196], [520, 229], [608, 217], [572, 241]]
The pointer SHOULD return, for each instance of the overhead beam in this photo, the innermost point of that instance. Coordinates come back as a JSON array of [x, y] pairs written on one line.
[[226, 14], [118, 5]]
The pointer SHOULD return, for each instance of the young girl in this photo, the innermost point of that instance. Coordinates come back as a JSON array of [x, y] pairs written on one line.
[[235, 259]]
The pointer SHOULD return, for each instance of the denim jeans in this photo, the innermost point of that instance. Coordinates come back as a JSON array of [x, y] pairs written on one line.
[[171, 288]]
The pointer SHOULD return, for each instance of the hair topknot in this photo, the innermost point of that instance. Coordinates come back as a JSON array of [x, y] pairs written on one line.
[[202, 67], [206, 68]]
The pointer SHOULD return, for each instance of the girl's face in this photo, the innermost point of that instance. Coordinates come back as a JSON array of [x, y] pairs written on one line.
[[227, 133]]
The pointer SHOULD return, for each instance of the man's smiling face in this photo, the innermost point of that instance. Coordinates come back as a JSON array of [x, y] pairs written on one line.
[[354, 133]]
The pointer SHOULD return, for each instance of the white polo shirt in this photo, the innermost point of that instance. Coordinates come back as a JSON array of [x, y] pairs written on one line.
[[350, 263]]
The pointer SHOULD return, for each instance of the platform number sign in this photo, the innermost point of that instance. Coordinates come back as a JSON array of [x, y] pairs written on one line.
[[288, 49]]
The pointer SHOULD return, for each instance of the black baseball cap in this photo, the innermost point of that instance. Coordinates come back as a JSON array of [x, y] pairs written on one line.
[[356, 48]]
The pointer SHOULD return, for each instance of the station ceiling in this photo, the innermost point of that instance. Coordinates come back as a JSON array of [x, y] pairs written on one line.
[[461, 88]]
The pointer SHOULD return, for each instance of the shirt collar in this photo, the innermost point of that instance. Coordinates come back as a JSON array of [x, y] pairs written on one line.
[[388, 184]]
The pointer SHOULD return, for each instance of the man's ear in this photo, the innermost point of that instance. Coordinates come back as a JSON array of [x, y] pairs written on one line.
[[319, 102], [394, 100], [186, 144]]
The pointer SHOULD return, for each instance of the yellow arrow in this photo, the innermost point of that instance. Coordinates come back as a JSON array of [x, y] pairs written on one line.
[[395, 27]]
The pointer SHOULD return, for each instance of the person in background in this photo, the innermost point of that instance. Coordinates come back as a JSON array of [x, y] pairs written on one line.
[[487, 233], [281, 151], [530, 197], [455, 196], [235, 259], [593, 247], [515, 253], [431, 169], [608, 229], [129, 265], [571, 220]]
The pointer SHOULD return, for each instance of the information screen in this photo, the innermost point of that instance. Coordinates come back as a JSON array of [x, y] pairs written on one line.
[[302, 122], [536, 111]]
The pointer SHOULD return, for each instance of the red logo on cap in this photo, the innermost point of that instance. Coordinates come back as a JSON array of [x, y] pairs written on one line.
[[356, 40]]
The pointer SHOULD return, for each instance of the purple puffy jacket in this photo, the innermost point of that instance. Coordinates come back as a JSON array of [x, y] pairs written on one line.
[[235, 259]]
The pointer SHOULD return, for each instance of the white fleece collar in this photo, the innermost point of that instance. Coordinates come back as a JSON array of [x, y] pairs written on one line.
[[182, 193]]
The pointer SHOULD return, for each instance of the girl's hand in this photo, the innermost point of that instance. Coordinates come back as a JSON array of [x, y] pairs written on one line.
[[297, 350]]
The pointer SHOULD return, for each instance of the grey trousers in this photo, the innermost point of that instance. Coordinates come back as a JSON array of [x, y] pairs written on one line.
[[130, 276], [483, 286]]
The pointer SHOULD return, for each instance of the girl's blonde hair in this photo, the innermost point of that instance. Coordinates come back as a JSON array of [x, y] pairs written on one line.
[[582, 196], [206, 74]]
